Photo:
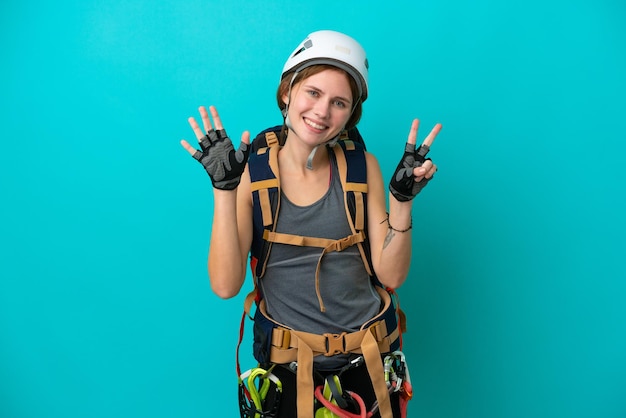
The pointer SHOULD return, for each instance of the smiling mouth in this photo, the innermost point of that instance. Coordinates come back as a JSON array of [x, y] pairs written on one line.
[[314, 125]]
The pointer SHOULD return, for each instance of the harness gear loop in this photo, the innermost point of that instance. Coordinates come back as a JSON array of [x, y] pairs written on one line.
[[398, 378], [254, 387]]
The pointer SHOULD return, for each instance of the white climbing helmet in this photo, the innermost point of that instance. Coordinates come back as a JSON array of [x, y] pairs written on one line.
[[332, 48]]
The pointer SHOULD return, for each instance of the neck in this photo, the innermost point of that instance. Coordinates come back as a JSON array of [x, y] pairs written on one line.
[[295, 155]]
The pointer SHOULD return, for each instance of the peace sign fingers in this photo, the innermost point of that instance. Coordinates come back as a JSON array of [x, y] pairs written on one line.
[[428, 141], [414, 170]]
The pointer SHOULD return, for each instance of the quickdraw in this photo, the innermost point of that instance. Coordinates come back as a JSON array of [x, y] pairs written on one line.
[[397, 374], [398, 378], [254, 387]]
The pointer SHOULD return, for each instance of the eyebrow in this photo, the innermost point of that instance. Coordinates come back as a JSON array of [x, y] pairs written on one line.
[[345, 99]]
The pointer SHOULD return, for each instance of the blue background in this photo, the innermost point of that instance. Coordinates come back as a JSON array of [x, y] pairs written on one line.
[[516, 294]]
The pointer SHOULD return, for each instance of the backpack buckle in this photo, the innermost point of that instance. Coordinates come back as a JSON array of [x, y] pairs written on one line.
[[335, 344]]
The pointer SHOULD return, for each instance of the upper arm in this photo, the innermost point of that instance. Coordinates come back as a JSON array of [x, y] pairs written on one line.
[[244, 215]]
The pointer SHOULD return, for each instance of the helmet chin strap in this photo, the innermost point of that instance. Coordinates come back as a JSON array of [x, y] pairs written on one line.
[[309, 160], [329, 143], [285, 111]]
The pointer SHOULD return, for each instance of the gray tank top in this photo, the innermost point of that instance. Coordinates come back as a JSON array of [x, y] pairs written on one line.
[[288, 285]]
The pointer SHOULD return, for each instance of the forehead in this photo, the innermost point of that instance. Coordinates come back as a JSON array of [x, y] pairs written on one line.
[[330, 80]]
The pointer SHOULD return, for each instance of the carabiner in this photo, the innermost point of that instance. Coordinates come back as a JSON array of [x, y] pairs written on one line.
[[253, 394]]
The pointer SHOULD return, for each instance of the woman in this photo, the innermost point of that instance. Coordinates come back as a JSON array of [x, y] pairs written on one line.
[[322, 89]]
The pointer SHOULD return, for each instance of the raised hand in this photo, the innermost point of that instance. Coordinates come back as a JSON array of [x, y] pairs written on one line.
[[217, 155], [414, 170]]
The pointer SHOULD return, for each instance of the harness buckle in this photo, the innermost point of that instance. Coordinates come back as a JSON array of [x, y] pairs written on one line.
[[335, 344], [342, 244], [282, 338]]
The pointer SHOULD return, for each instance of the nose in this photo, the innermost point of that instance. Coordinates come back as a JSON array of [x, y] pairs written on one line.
[[322, 108]]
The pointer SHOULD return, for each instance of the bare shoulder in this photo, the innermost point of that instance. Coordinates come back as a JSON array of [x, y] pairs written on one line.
[[374, 173], [244, 190]]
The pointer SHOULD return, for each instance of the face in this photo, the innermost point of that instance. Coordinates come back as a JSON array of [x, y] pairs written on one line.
[[320, 106]]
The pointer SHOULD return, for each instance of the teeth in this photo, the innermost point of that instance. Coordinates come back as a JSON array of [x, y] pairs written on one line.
[[313, 124]]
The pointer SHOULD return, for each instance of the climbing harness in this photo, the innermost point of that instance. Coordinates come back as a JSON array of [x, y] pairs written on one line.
[[254, 388]]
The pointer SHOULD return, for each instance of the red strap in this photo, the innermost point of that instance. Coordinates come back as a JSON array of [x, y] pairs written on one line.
[[241, 327]]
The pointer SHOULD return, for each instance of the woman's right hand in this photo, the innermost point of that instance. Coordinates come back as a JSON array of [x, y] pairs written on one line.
[[217, 154]]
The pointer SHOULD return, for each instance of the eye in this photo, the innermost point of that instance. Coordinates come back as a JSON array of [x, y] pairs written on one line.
[[313, 93], [341, 104]]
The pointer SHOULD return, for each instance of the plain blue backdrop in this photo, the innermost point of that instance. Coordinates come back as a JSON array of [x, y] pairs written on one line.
[[515, 299]]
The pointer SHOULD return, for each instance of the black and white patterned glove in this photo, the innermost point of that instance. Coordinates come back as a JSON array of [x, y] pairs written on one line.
[[403, 185], [220, 160]]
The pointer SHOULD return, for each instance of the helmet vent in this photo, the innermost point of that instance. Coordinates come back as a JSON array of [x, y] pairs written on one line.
[[307, 44]]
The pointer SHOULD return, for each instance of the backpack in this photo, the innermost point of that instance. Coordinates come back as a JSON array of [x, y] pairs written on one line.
[[277, 343]]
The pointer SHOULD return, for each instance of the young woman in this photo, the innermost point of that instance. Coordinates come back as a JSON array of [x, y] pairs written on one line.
[[332, 294]]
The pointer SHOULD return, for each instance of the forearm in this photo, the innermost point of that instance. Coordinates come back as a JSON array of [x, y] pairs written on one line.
[[226, 263], [395, 257]]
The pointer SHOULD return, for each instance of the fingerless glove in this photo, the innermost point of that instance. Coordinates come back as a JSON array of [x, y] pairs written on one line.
[[403, 185], [220, 160]]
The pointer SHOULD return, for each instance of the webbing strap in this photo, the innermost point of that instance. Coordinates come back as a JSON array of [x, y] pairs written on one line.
[[271, 138], [262, 188], [263, 184], [250, 298], [374, 365], [304, 386], [284, 346], [338, 245], [328, 245]]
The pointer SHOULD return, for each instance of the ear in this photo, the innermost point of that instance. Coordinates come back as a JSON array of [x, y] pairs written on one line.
[[285, 99]]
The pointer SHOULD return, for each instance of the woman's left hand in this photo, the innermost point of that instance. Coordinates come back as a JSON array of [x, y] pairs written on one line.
[[414, 170]]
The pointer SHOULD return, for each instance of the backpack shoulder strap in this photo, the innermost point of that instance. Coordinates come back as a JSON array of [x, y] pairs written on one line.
[[268, 138], [265, 187], [352, 167]]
